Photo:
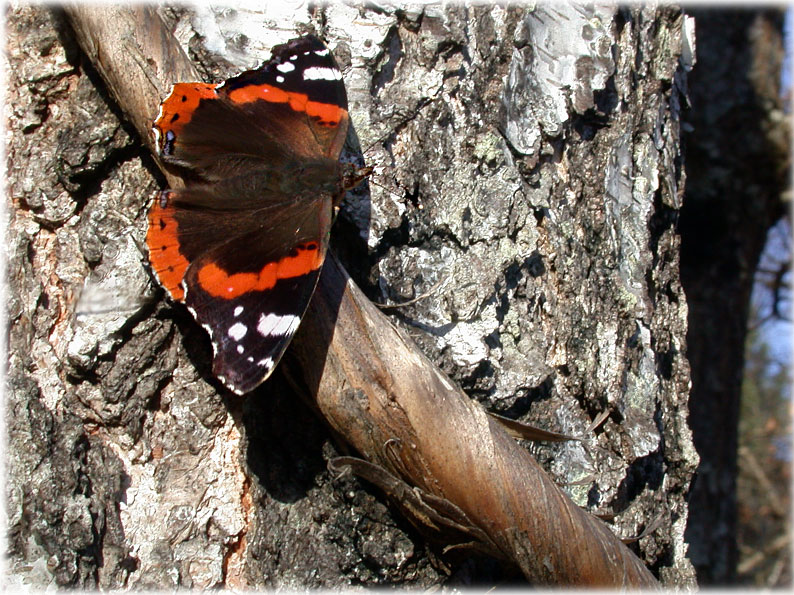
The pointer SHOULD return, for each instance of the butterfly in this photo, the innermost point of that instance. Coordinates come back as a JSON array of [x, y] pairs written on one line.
[[242, 245]]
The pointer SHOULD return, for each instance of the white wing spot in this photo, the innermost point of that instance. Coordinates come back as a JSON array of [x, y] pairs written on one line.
[[321, 73], [249, 359], [285, 67], [275, 325], [237, 331], [324, 52], [238, 310], [265, 363], [240, 349], [293, 57], [279, 79]]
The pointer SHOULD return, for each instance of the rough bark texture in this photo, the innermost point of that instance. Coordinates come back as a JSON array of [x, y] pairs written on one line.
[[738, 160], [532, 166]]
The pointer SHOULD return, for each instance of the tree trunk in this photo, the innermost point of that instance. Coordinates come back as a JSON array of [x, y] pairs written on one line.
[[529, 181], [738, 160]]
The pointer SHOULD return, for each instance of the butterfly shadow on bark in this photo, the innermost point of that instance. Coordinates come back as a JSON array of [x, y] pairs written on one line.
[[288, 438]]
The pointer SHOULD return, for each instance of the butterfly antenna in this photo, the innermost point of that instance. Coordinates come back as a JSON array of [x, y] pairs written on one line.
[[372, 144], [372, 181], [389, 190]]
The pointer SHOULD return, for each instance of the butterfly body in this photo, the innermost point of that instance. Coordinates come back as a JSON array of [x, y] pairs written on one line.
[[242, 245]]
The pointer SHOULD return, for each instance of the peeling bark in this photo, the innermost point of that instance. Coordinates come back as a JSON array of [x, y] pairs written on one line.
[[559, 301]]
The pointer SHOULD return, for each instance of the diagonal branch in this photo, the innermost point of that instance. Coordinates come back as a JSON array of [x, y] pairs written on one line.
[[431, 448]]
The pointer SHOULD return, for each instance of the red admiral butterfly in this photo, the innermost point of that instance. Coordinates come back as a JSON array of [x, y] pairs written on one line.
[[243, 245]]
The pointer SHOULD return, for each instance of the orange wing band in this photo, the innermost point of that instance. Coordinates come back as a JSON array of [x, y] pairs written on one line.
[[327, 113], [177, 109], [303, 259], [168, 263]]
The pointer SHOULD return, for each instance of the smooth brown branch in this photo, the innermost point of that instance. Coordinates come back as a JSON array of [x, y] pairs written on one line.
[[403, 414], [432, 449], [138, 58]]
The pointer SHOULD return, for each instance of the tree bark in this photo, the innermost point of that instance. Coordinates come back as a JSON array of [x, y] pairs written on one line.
[[738, 161], [570, 312]]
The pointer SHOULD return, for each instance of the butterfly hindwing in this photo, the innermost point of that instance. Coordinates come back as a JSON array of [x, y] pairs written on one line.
[[248, 340]]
